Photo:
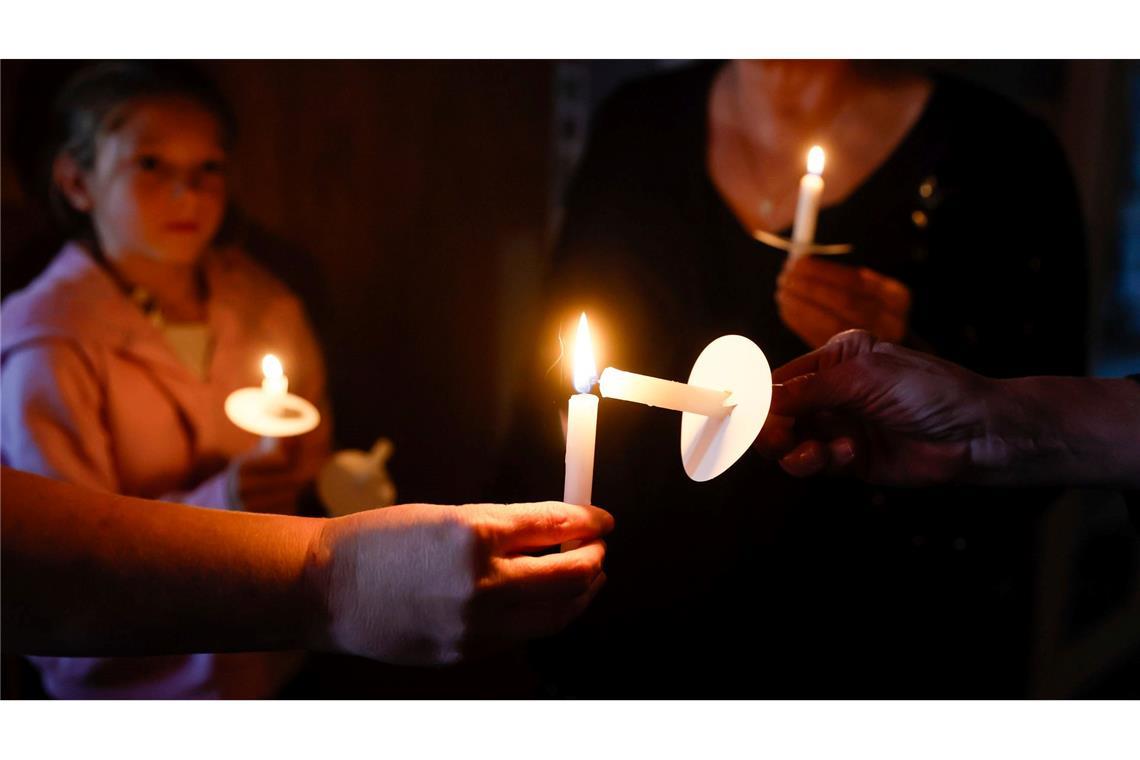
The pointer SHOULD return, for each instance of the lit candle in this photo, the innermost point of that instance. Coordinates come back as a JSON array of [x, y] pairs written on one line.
[[581, 423], [275, 383], [275, 387], [653, 391], [271, 411], [807, 206]]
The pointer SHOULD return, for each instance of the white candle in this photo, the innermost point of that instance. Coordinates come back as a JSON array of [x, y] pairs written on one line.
[[652, 391], [581, 423], [807, 206], [270, 410], [275, 383]]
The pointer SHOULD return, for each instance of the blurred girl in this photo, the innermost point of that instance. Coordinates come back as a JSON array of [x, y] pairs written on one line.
[[117, 359]]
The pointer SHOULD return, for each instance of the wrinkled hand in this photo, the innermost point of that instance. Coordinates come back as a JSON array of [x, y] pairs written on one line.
[[818, 299], [883, 412], [421, 584]]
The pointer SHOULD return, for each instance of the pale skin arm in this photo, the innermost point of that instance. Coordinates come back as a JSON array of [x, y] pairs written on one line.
[[901, 417], [90, 573]]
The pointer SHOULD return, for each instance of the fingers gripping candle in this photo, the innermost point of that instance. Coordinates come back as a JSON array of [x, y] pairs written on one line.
[[582, 422], [807, 206]]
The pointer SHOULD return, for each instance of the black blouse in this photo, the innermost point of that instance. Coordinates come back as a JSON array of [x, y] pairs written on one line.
[[755, 584]]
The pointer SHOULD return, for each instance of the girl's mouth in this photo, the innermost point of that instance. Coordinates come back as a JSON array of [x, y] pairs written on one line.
[[183, 227]]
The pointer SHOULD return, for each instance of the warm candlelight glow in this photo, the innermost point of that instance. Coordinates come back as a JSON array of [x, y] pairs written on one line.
[[585, 370], [807, 204], [271, 366], [271, 411], [815, 160], [275, 381]]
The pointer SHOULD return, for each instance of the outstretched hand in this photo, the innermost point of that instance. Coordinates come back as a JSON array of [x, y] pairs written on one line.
[[883, 412], [422, 584]]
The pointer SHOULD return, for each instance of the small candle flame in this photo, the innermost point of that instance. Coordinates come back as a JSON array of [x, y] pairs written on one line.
[[271, 367], [585, 370], [815, 160]]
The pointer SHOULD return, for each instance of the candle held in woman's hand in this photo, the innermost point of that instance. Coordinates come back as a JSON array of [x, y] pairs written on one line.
[[807, 206]]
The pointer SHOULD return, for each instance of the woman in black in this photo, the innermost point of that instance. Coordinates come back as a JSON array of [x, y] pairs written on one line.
[[752, 584]]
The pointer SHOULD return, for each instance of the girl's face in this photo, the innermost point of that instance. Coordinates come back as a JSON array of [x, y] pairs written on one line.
[[158, 185]]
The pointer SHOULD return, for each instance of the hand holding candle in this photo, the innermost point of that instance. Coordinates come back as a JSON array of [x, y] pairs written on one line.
[[818, 299]]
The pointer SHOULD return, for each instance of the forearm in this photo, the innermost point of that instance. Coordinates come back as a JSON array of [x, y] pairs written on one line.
[[90, 573], [1062, 431]]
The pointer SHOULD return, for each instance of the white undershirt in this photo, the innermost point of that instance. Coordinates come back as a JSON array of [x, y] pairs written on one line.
[[192, 344]]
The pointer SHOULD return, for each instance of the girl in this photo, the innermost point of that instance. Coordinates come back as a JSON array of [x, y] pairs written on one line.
[[116, 361]]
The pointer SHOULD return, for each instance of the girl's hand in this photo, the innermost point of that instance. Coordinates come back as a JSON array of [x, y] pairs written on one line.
[[270, 479], [818, 299]]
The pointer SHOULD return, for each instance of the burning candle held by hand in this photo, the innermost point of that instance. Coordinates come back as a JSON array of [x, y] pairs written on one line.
[[723, 406], [271, 411], [581, 422], [807, 205]]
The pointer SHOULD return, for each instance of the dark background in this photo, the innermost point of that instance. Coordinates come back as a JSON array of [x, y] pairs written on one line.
[[411, 203]]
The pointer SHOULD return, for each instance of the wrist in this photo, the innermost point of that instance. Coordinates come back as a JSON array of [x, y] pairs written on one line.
[[1010, 431], [317, 585]]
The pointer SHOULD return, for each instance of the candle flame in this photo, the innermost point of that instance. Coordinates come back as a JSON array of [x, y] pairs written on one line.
[[585, 370], [815, 160], [271, 367]]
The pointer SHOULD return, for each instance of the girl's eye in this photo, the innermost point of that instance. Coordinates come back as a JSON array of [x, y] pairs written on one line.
[[213, 167], [148, 163]]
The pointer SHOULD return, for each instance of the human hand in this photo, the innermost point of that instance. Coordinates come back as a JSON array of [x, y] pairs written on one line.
[[817, 299], [422, 584], [270, 478], [886, 413]]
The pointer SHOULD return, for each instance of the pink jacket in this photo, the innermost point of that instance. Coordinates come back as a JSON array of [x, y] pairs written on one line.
[[91, 394]]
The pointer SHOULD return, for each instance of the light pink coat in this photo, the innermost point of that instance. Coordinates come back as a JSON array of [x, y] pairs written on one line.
[[93, 395]]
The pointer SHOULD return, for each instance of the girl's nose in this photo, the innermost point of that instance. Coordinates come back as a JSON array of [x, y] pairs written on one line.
[[193, 182], [187, 181]]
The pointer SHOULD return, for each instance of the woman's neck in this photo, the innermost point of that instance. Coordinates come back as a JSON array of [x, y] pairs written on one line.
[[782, 102], [764, 116]]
